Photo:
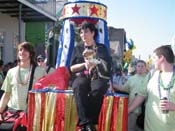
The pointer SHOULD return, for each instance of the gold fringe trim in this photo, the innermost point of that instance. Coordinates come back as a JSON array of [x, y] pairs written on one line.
[[49, 112], [109, 106], [70, 113], [37, 111], [120, 114]]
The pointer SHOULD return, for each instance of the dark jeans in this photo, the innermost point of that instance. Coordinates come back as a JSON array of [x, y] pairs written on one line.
[[9, 127], [89, 98]]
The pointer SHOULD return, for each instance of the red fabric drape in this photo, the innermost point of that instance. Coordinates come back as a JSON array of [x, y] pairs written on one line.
[[113, 108], [114, 114], [102, 116], [43, 97], [125, 115], [31, 108], [60, 106]]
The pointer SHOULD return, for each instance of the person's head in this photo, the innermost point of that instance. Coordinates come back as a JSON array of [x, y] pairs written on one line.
[[131, 69], [26, 52], [162, 54], [40, 60], [141, 67], [88, 32]]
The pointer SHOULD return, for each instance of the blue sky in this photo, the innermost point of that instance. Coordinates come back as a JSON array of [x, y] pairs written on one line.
[[149, 23]]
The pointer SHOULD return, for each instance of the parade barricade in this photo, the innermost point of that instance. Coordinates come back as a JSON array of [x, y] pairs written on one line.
[[55, 110]]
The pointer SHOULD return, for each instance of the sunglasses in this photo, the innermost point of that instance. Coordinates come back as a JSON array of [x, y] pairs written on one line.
[[40, 60]]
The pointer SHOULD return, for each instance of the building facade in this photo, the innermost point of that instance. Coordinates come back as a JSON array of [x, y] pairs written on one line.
[[14, 16]]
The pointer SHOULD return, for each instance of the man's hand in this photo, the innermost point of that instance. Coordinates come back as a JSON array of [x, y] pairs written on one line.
[[166, 105]]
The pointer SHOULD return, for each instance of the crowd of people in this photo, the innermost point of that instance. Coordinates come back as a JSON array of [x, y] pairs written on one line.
[[154, 88], [131, 86], [159, 93], [90, 70], [141, 85]]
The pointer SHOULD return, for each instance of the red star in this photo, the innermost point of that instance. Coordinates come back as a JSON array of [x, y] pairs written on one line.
[[76, 9], [94, 10]]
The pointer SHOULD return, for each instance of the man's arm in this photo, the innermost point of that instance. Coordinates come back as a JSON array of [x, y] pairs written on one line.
[[138, 100], [77, 67], [118, 88], [3, 103], [4, 100]]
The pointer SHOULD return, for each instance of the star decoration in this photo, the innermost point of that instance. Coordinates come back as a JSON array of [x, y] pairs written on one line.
[[67, 30], [76, 9], [94, 10], [101, 31], [65, 46]]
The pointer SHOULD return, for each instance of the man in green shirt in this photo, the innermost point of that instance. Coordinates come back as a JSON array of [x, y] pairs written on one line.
[[132, 86], [16, 83]]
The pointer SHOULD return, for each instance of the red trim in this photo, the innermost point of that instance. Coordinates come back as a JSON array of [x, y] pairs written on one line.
[[31, 109], [79, 21], [43, 101], [102, 117], [125, 115], [114, 113], [60, 110]]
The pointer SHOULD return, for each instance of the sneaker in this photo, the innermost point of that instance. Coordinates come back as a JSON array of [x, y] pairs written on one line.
[[90, 128]]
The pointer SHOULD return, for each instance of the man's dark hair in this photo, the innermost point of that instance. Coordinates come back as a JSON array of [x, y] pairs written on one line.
[[166, 51], [30, 48], [141, 61]]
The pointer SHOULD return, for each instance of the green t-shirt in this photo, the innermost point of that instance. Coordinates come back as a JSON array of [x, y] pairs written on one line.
[[18, 98], [133, 85]]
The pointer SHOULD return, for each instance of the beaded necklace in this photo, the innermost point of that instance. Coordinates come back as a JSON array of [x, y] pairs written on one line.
[[26, 79], [169, 86]]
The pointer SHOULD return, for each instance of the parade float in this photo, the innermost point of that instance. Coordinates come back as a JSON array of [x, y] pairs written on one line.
[[51, 104]]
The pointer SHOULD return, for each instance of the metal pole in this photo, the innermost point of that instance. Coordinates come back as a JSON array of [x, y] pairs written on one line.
[[19, 23]]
